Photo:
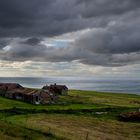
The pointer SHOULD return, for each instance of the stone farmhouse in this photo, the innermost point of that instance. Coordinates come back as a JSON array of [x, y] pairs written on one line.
[[58, 89], [34, 96]]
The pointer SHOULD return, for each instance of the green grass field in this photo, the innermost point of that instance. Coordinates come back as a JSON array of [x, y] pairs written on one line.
[[82, 115]]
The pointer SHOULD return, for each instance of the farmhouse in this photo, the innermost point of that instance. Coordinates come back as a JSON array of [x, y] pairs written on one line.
[[34, 96], [57, 89]]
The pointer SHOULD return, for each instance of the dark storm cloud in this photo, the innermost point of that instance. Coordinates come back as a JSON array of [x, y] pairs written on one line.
[[4, 42], [21, 51], [53, 17], [92, 8], [112, 38], [120, 38], [115, 45], [32, 41]]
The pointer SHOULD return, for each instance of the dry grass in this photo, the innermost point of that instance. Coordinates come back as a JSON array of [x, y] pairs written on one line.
[[78, 127]]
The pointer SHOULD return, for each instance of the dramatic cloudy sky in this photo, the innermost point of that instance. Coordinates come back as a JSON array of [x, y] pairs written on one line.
[[70, 38]]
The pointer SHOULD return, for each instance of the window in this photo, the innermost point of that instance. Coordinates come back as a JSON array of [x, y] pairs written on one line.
[[36, 99]]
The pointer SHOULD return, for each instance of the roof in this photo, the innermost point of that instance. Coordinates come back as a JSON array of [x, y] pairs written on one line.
[[61, 87], [10, 86], [24, 91]]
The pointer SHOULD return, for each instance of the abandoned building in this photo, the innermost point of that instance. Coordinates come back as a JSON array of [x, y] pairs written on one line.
[[57, 89], [34, 96], [48, 94]]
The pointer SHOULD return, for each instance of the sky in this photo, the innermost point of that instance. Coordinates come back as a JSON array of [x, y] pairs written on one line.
[[83, 38]]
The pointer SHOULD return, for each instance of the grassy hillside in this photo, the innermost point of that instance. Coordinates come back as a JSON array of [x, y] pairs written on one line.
[[79, 116]]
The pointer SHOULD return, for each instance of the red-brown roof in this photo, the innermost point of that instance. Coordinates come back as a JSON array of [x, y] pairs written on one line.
[[9, 86]]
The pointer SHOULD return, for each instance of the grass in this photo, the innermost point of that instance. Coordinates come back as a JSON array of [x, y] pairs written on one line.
[[10, 131], [77, 127], [80, 115]]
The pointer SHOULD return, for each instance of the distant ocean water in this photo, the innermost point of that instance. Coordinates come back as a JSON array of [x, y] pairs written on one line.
[[104, 85]]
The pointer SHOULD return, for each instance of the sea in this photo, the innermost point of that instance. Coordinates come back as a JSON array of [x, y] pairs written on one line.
[[93, 84]]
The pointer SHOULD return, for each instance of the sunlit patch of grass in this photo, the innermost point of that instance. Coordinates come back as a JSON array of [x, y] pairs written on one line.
[[115, 99]]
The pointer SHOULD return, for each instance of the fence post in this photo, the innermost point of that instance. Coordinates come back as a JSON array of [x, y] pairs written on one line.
[[87, 135]]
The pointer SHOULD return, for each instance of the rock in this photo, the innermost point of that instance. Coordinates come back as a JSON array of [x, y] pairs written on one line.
[[130, 116]]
